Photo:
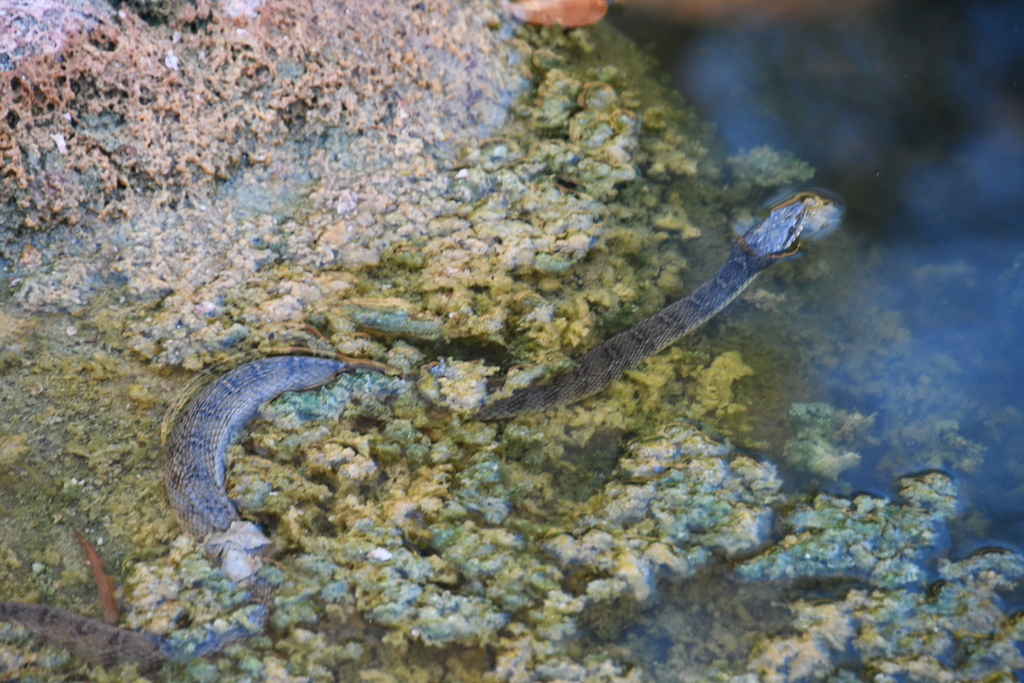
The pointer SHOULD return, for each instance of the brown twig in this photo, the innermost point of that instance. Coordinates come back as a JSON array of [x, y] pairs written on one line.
[[104, 583]]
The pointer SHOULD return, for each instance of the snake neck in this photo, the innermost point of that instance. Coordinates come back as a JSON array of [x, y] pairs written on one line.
[[596, 369]]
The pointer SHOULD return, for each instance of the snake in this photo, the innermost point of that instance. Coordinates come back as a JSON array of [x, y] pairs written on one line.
[[195, 464], [791, 222]]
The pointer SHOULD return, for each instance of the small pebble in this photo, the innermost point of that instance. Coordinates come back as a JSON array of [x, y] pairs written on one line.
[[381, 554]]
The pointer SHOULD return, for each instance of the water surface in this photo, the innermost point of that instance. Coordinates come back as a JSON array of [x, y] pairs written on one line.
[[915, 114]]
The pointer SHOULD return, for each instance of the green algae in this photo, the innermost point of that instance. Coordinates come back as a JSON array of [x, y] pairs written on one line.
[[957, 631], [479, 579], [765, 167], [442, 534], [83, 419], [813, 449], [392, 319], [413, 517], [867, 538], [879, 614]]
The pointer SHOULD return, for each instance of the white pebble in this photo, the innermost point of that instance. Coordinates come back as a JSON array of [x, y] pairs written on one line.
[[381, 554]]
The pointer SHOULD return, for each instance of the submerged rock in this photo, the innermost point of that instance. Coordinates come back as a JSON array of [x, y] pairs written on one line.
[[867, 538], [956, 631], [414, 542]]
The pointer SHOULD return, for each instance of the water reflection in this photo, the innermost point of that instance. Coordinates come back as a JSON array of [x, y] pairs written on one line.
[[914, 112]]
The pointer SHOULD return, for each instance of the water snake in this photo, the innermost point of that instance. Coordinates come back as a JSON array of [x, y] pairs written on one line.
[[803, 216], [195, 467]]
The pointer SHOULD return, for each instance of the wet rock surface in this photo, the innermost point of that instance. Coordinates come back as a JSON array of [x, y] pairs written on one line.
[[234, 178]]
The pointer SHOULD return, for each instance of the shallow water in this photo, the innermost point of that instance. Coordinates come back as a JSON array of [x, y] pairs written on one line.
[[915, 115], [907, 320]]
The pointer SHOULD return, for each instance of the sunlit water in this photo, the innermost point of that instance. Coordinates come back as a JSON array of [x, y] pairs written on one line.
[[916, 116]]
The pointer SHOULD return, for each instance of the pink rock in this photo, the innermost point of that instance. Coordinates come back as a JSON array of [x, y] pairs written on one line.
[[29, 28], [241, 8]]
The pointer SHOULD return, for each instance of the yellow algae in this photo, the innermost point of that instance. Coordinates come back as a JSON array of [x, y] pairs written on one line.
[[819, 428], [763, 299], [342, 463], [12, 449], [713, 394], [459, 385], [382, 303], [260, 485], [13, 326], [675, 219], [825, 628], [404, 516], [649, 379]]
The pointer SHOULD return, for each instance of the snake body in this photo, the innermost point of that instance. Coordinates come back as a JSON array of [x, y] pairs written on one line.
[[194, 472], [91, 640], [805, 215], [195, 467]]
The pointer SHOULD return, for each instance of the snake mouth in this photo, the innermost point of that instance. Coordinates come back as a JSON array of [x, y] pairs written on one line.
[[792, 222], [823, 215], [792, 195], [823, 208]]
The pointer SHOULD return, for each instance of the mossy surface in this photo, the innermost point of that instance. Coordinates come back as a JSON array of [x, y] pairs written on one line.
[[366, 211]]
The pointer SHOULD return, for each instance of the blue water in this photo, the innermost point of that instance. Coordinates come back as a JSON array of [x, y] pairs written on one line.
[[915, 114]]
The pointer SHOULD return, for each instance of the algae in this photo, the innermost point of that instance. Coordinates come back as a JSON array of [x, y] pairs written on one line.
[[957, 631], [813, 449], [866, 538], [414, 542]]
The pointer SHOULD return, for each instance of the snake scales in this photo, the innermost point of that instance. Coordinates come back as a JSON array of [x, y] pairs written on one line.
[[195, 466]]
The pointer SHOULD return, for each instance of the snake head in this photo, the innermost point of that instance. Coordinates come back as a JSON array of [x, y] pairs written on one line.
[[799, 218]]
